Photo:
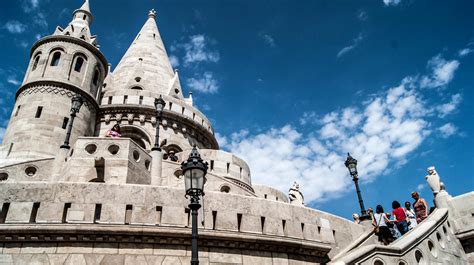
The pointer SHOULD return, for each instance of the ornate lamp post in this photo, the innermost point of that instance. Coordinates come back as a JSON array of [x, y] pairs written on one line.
[[75, 107], [159, 106], [194, 171], [351, 164]]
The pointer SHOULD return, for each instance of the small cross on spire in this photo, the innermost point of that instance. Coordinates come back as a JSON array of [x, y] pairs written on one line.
[[152, 13]]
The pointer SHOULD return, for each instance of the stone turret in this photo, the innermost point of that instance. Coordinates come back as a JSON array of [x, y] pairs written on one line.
[[62, 65], [143, 74]]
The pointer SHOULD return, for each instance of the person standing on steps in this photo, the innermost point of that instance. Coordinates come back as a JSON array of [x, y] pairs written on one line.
[[420, 206]]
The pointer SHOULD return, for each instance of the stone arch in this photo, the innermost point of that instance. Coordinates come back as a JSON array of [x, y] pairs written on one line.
[[76, 64], [137, 134]]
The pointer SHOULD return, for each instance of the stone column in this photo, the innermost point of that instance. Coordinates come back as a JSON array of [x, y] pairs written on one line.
[[156, 167], [58, 164]]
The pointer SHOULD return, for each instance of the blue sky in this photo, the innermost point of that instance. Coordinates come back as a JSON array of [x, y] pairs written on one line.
[[291, 86]]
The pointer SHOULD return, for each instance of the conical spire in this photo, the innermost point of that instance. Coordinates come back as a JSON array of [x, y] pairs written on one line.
[[146, 62], [79, 26], [85, 6]]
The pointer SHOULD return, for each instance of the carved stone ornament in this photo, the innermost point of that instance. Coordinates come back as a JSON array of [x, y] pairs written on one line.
[[130, 117], [433, 180], [164, 123], [142, 118], [153, 120], [295, 195], [107, 118], [118, 117]]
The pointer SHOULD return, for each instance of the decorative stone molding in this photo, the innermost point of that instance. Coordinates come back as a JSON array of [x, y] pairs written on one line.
[[57, 88], [130, 117]]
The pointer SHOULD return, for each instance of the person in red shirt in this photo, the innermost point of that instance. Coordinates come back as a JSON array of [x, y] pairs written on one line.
[[400, 217]]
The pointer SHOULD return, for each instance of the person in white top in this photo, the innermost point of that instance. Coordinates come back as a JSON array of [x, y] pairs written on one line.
[[380, 220], [411, 216]]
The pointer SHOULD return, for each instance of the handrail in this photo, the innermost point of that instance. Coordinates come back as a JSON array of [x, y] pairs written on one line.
[[401, 246]]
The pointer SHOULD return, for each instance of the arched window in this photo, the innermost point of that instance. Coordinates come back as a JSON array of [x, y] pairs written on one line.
[[35, 63], [78, 65], [95, 79], [56, 58]]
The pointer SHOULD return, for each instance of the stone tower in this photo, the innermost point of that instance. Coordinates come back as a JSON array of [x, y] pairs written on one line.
[[144, 74], [64, 64]]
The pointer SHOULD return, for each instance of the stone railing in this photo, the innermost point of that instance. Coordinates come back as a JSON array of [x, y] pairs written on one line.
[[431, 242]]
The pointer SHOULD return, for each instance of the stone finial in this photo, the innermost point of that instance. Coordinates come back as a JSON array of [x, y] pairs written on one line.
[[433, 180], [107, 118], [152, 14], [142, 118], [130, 117], [118, 117], [295, 195]]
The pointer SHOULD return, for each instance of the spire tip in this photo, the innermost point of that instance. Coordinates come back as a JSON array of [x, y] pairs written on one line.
[[152, 13]]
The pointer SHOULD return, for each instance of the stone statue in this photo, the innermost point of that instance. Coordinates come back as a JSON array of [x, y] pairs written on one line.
[[433, 180], [295, 195]]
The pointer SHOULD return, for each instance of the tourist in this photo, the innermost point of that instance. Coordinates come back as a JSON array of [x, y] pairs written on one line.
[[399, 217], [380, 223], [411, 216], [420, 206], [114, 132], [392, 227], [356, 218], [370, 213]]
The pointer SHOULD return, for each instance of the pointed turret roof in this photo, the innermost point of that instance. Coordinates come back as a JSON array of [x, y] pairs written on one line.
[[146, 63], [79, 26], [85, 6]]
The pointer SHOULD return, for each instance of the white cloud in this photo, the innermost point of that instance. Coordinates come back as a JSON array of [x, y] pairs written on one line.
[[15, 27], [355, 43], [12, 80], [362, 15], [392, 2], [197, 50], [447, 130], [420, 187], [464, 52], [205, 83], [40, 20], [30, 5], [309, 117], [381, 133], [448, 108], [174, 61], [268, 39], [442, 72]]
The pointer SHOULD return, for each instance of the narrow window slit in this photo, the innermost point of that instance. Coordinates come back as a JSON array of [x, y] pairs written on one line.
[[97, 212], [66, 208], [4, 212], [239, 221], [214, 219], [34, 212], [187, 211], [39, 110], [159, 210], [128, 214], [262, 222], [65, 122]]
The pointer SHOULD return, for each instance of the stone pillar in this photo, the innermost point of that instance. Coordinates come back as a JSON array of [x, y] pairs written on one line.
[[156, 167], [58, 164]]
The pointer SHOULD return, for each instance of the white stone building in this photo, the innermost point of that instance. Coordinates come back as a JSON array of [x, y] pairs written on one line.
[[114, 201]]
